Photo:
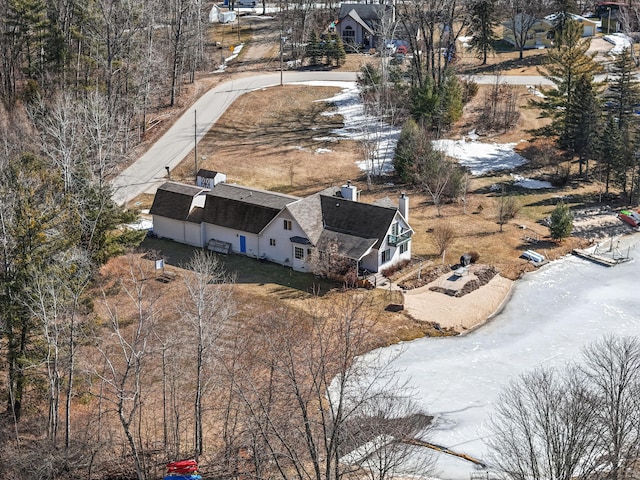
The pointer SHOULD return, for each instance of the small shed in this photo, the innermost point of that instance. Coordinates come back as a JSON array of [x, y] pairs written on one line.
[[209, 179]]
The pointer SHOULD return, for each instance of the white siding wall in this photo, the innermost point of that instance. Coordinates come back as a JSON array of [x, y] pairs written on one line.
[[233, 237], [373, 261], [370, 262], [282, 252], [193, 234], [169, 228]]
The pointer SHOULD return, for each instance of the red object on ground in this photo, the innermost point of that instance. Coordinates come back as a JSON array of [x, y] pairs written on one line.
[[182, 467], [630, 220]]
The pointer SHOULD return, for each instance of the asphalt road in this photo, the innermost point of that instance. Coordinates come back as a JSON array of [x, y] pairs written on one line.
[[149, 171]]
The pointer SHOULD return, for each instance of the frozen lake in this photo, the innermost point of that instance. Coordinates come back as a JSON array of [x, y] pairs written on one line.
[[552, 314]]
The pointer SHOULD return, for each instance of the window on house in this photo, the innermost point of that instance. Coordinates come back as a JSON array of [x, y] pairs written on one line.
[[272, 242], [385, 256], [404, 247], [394, 229], [287, 224], [308, 252], [298, 253], [348, 34]]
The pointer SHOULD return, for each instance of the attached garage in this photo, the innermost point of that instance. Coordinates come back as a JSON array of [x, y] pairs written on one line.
[[177, 213]]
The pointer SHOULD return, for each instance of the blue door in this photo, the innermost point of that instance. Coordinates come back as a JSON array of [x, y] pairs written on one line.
[[243, 244]]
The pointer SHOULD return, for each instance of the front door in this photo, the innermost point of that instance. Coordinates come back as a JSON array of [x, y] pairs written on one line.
[[243, 244]]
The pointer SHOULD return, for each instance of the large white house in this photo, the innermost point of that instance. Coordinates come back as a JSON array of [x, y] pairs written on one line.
[[283, 228]]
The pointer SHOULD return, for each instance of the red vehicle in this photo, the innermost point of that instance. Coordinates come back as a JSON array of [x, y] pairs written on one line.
[[182, 467]]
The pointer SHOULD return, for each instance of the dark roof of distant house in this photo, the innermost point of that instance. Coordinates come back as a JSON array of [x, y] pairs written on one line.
[[203, 172], [174, 200], [244, 209], [365, 11], [357, 219]]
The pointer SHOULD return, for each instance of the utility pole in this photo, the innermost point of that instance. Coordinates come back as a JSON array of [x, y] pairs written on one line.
[[195, 140], [281, 55], [281, 40]]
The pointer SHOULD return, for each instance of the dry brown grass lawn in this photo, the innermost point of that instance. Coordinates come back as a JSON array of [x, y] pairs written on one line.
[[279, 139]]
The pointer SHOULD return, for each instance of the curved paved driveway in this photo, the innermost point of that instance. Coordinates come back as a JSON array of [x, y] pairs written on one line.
[[149, 170]]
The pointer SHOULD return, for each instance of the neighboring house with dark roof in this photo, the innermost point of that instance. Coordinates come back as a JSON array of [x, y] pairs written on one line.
[[288, 230], [359, 24], [177, 213]]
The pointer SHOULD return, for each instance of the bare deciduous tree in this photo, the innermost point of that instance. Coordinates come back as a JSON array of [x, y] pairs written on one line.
[[123, 358], [305, 390], [443, 235], [612, 368], [208, 307], [542, 427]]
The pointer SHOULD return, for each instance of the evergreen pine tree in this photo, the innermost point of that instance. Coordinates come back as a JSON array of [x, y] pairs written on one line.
[[330, 50], [582, 122], [405, 150], [340, 54], [482, 22], [622, 98], [561, 222], [313, 48], [451, 105], [609, 150], [566, 62]]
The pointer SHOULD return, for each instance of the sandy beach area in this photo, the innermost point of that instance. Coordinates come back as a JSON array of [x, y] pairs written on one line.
[[460, 313]]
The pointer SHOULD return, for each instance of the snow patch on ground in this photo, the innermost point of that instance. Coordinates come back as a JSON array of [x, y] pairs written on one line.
[[361, 127], [530, 183], [142, 224], [620, 41], [323, 150], [236, 51], [534, 91], [480, 158], [465, 41]]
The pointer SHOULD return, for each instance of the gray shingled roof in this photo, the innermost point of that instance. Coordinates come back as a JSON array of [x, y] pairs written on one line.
[[347, 245], [308, 214], [358, 219], [174, 200], [367, 12], [244, 209]]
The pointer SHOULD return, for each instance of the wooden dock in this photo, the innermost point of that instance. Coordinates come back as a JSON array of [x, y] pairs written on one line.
[[606, 260]]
